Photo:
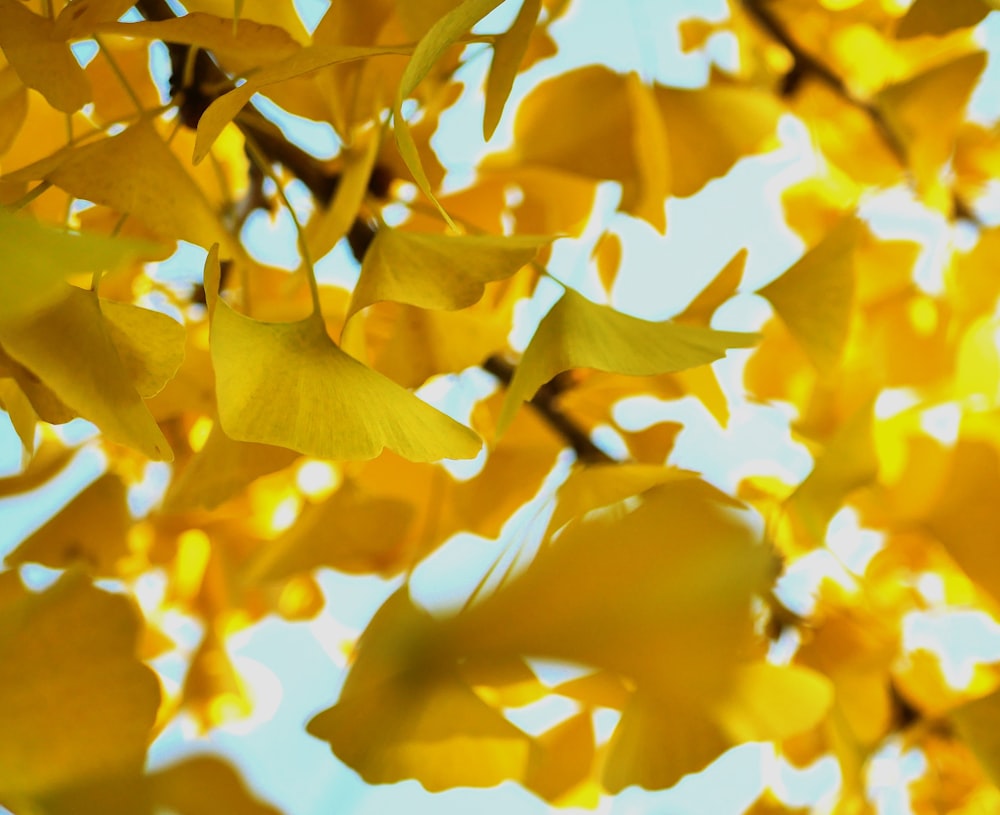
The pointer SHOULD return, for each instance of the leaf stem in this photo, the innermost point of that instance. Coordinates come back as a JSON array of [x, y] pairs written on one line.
[[258, 157], [119, 74]]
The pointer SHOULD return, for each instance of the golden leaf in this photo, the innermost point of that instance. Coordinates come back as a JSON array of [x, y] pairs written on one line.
[[75, 702]]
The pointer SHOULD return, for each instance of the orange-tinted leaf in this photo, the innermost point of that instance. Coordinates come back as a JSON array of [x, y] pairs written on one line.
[[90, 531], [75, 702], [42, 57]]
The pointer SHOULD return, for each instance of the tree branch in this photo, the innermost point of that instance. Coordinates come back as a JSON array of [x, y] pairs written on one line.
[[545, 403]]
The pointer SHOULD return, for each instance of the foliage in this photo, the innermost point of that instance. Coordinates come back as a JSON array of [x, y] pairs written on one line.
[[415, 359]]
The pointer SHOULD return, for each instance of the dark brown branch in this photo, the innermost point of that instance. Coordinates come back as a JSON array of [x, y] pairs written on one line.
[[208, 82], [545, 403]]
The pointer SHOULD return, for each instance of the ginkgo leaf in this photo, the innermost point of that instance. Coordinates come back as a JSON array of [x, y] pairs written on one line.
[[773, 702], [508, 51], [978, 723], [405, 713], [722, 287], [70, 347], [658, 741], [20, 411], [848, 462], [90, 531], [41, 57], [925, 112], [75, 702], [579, 334], [564, 758], [136, 173], [324, 231], [659, 595], [221, 469], [37, 258], [608, 258], [264, 43], [81, 17], [594, 486], [349, 531], [655, 141], [813, 297], [645, 194], [150, 344], [442, 35], [49, 459], [712, 128], [288, 384], [929, 17], [222, 111], [965, 513], [421, 341], [437, 271], [203, 785]]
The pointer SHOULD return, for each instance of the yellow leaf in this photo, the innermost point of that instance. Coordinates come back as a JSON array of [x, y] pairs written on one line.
[[579, 334], [82, 17], [774, 702], [978, 724], [20, 411], [262, 43], [925, 113], [508, 51], [150, 344], [608, 256], [437, 271], [930, 17], [631, 594], [848, 462], [220, 470], [37, 258], [564, 758], [350, 531], [443, 34], [660, 740], [712, 128], [965, 514], [48, 461], [289, 385], [90, 531], [69, 347], [136, 173], [645, 195], [324, 231], [421, 343], [594, 486], [222, 111], [75, 702], [204, 785], [722, 287], [814, 297], [405, 713], [41, 57], [13, 107]]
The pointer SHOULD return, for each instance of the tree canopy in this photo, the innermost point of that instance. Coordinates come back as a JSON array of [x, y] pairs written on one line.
[[453, 354]]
